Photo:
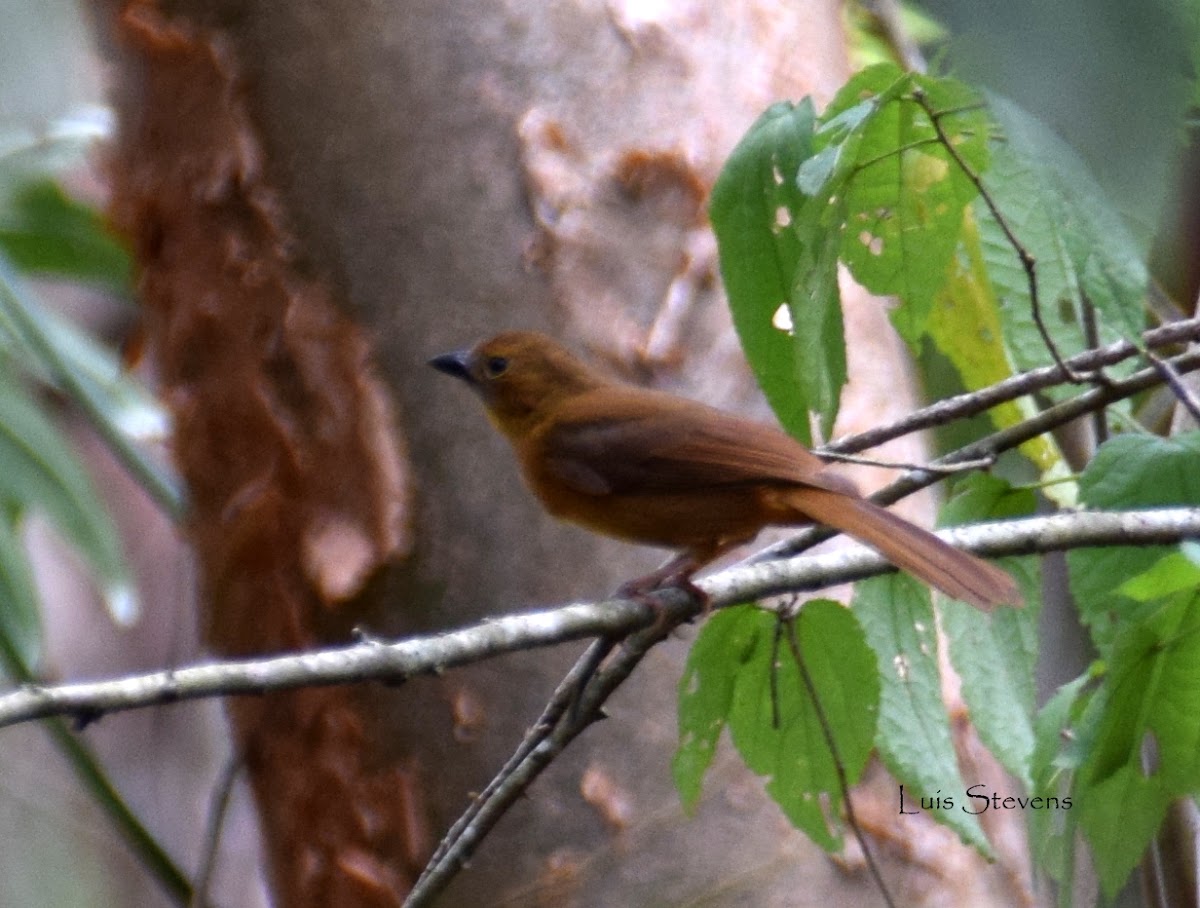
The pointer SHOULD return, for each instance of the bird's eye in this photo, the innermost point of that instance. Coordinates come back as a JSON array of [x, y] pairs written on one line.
[[495, 366]]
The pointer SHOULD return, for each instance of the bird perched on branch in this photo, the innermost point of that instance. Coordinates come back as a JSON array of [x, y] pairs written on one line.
[[649, 467]]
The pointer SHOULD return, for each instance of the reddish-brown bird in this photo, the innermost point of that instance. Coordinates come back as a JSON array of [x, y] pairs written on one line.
[[650, 467]]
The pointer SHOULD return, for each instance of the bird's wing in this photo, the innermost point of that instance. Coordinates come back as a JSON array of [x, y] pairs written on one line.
[[621, 440]]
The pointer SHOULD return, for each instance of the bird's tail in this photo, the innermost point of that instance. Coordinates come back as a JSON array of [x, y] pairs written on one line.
[[956, 573]]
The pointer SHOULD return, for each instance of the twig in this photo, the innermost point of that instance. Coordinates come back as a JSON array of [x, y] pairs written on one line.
[[218, 807], [462, 838], [980, 463], [1050, 418], [993, 445], [972, 403], [522, 770], [433, 654], [838, 766], [996, 443], [1173, 381], [397, 661], [1028, 262]]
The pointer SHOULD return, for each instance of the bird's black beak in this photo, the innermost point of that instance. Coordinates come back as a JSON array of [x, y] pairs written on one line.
[[457, 364]]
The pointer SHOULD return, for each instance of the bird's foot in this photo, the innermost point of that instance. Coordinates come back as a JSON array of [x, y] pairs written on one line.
[[671, 576]]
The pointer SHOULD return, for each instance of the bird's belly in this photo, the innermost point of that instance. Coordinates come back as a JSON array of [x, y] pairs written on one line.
[[671, 520]]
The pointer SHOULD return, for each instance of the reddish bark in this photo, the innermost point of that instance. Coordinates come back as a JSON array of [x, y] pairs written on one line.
[[297, 474]]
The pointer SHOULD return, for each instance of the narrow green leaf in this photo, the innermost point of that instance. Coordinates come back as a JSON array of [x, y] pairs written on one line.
[[38, 471], [20, 612], [914, 738], [44, 231]]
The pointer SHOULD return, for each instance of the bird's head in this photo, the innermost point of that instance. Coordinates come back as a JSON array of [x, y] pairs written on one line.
[[520, 375]]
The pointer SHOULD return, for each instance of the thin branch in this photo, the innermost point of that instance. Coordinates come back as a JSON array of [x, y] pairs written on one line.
[[972, 403], [218, 807], [396, 662], [1173, 381], [468, 830], [593, 686], [996, 443], [965, 466], [838, 765], [725, 588]]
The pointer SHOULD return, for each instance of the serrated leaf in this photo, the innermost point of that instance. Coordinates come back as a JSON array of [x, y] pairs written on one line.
[[793, 753], [966, 329], [1128, 472], [1081, 245], [1151, 700], [905, 203], [995, 656], [766, 690], [716, 658], [1119, 818], [914, 738]]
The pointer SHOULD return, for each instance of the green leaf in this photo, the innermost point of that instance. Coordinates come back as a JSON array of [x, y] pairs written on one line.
[[55, 352], [1146, 747], [794, 754], [914, 738], [1119, 817], [44, 231], [995, 656], [1052, 831], [38, 471], [720, 652], [1081, 245], [983, 496], [965, 327], [20, 618], [905, 203], [1172, 573], [754, 203], [1129, 471]]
